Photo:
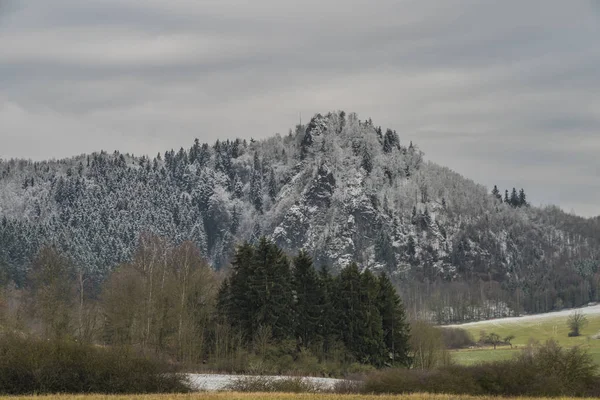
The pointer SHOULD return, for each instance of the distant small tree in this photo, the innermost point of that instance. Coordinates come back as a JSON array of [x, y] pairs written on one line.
[[411, 247], [496, 193], [514, 198], [508, 340], [522, 198], [494, 339], [576, 322]]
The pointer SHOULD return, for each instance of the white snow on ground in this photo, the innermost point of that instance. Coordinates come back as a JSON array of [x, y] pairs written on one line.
[[211, 383], [591, 310]]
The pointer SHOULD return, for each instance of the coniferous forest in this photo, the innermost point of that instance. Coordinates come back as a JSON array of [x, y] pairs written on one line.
[[342, 189]]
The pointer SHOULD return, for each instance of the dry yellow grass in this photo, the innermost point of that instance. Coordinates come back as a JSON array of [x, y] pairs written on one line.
[[260, 396]]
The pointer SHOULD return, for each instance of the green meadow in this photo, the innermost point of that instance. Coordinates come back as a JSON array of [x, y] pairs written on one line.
[[527, 330]]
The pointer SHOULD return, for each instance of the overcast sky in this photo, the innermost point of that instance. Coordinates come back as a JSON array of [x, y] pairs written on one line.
[[505, 92]]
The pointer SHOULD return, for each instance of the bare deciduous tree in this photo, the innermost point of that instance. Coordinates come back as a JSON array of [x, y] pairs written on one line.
[[576, 322]]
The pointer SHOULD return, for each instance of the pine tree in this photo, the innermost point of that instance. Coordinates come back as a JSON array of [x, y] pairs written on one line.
[[506, 198]]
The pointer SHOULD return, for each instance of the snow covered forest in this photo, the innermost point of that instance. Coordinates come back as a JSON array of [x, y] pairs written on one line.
[[342, 189]]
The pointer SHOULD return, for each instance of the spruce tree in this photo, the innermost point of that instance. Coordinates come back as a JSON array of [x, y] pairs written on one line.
[[359, 322], [514, 198], [238, 301], [426, 219], [272, 185], [372, 345], [238, 187], [396, 330], [256, 194], [411, 247], [328, 318], [522, 198], [348, 308], [384, 252], [194, 151], [367, 161], [224, 301], [390, 141], [270, 285], [308, 306], [496, 193], [506, 198]]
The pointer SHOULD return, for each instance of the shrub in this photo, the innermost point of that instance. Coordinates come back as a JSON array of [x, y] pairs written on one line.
[[457, 338], [400, 381], [34, 366], [265, 384], [546, 370], [349, 386], [576, 322], [427, 346]]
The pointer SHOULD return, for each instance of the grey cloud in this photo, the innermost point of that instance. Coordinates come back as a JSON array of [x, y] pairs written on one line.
[[499, 91]]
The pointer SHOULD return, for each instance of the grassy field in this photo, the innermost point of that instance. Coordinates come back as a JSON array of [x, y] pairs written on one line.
[[524, 331], [261, 396]]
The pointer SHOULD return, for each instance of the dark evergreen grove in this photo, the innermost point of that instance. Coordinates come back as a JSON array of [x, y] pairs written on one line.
[[515, 199], [291, 300]]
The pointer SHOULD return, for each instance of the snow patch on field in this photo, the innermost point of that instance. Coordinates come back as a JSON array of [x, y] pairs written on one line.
[[590, 310], [212, 383]]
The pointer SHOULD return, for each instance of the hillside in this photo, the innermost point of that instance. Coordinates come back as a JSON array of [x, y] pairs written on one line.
[[342, 188]]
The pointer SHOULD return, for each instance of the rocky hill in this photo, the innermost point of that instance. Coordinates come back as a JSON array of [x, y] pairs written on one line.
[[344, 189]]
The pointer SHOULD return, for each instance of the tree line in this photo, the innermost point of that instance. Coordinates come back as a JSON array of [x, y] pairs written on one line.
[[514, 200], [270, 314]]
